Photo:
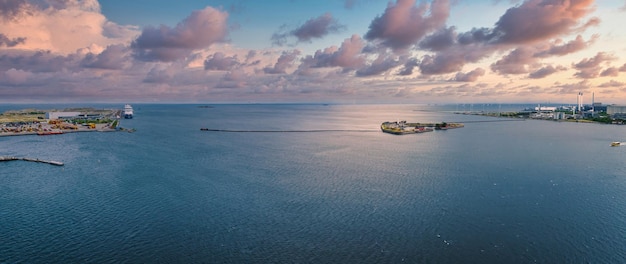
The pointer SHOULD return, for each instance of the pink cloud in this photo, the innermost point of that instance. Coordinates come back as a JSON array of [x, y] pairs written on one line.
[[347, 56], [403, 24], [537, 20], [199, 30], [515, 62], [612, 83], [284, 61], [570, 47], [590, 67], [611, 71]]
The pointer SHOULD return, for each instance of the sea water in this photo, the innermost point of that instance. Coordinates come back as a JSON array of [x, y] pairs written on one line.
[[491, 192]]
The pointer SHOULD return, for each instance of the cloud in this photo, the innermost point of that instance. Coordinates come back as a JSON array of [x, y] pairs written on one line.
[[348, 56], [159, 74], [570, 47], [233, 79], [39, 61], [590, 67], [537, 20], [515, 62], [61, 26], [440, 40], [381, 64], [623, 68], [611, 71], [199, 30], [15, 77], [313, 28], [403, 24], [612, 83], [409, 65], [114, 57], [220, 62], [471, 76], [452, 59], [12, 9], [5, 41], [284, 61], [545, 71]]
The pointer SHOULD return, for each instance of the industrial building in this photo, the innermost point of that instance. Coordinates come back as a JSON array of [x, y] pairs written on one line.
[[616, 110]]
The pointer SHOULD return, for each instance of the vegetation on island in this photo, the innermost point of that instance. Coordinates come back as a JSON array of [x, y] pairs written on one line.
[[402, 127]]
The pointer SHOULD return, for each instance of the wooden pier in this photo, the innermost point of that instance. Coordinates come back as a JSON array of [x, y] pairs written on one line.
[[56, 163]]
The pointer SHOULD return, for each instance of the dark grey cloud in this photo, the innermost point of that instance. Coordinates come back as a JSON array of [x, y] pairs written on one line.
[[199, 30], [382, 64], [7, 42], [114, 57], [220, 62], [12, 9], [159, 75], [440, 40], [313, 28], [38, 61], [403, 24], [409, 65]]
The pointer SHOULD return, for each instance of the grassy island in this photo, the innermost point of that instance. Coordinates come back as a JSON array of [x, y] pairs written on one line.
[[402, 127]]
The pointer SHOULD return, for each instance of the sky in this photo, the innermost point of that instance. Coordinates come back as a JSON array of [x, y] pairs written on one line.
[[302, 51]]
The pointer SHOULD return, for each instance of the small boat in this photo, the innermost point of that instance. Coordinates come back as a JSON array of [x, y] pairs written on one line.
[[128, 111], [616, 144]]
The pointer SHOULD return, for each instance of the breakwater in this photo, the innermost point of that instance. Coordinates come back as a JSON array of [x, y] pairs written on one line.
[[56, 163], [287, 131]]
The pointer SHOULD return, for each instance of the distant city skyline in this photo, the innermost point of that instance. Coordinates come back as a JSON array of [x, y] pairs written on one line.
[[330, 51]]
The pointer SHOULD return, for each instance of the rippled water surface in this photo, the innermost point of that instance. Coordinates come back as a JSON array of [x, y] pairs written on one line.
[[492, 192]]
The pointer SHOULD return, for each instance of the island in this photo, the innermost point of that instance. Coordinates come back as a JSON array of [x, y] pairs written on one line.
[[55, 122], [403, 127]]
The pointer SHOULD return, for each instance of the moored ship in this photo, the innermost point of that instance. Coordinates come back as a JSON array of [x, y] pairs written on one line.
[[128, 111]]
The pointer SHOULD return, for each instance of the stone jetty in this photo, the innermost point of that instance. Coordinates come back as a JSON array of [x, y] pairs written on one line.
[[56, 163]]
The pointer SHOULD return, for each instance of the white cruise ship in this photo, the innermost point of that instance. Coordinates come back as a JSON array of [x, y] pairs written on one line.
[[128, 111]]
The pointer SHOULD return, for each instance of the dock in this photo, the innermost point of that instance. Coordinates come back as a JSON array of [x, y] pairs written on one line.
[[56, 163]]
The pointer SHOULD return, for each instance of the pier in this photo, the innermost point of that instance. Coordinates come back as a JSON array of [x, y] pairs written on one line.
[[56, 163]]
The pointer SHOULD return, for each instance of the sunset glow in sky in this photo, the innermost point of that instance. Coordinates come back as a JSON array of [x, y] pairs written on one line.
[[343, 51]]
